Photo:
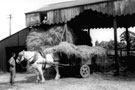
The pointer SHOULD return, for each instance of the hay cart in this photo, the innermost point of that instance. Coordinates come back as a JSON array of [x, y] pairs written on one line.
[[79, 57]]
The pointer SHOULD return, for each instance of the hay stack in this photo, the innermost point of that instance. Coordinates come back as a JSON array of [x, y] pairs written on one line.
[[39, 38]]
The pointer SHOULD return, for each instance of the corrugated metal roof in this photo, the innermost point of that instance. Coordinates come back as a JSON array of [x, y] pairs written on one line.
[[60, 12], [111, 7], [66, 11], [68, 4]]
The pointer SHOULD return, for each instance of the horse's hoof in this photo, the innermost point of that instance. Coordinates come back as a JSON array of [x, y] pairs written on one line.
[[42, 81], [37, 81], [57, 78]]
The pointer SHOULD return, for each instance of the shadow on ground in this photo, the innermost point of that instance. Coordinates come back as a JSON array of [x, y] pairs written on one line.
[[49, 74], [128, 76]]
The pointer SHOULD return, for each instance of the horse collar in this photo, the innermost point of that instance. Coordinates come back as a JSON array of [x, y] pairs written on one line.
[[34, 59]]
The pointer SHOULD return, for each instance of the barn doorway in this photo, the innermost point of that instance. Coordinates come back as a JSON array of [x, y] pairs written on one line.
[[16, 50]]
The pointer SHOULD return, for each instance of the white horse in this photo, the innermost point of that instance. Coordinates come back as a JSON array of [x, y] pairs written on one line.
[[37, 62]]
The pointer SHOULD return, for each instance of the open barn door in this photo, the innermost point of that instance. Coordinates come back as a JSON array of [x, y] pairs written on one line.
[[16, 50]]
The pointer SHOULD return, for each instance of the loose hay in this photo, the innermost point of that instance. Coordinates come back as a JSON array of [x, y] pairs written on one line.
[[39, 38], [64, 47], [83, 52]]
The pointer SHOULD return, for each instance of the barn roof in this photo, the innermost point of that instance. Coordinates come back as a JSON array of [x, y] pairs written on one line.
[[121, 7], [68, 4], [65, 11]]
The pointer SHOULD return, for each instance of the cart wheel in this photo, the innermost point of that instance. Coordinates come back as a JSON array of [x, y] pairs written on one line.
[[85, 71]]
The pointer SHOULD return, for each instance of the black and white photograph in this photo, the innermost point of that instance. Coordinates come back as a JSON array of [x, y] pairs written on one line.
[[67, 45]]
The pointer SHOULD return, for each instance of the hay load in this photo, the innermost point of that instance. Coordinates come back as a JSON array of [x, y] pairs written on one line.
[[90, 53], [64, 47], [84, 52], [39, 38]]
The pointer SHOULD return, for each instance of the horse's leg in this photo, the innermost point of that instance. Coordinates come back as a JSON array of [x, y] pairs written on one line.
[[41, 73], [57, 72], [37, 75]]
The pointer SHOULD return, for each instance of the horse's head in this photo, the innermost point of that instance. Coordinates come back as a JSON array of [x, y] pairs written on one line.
[[20, 57]]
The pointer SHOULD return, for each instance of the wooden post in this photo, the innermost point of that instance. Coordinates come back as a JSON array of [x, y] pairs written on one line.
[[89, 37], [65, 32], [116, 48], [10, 17], [128, 43]]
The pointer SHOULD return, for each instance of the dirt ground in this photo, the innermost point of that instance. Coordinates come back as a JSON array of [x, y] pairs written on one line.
[[26, 81]]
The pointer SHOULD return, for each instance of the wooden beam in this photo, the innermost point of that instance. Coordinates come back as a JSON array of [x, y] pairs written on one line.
[[128, 42], [116, 48]]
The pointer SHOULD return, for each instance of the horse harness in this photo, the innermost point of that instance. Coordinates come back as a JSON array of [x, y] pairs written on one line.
[[34, 59]]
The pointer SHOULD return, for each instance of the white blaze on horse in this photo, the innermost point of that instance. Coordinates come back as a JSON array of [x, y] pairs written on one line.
[[37, 61]]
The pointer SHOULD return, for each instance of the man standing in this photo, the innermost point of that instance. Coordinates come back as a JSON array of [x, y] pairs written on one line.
[[12, 68]]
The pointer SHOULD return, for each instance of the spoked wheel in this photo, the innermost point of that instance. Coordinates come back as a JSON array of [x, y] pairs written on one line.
[[85, 71]]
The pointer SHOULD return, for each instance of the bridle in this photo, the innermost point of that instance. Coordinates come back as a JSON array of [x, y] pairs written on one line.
[[22, 55], [27, 59]]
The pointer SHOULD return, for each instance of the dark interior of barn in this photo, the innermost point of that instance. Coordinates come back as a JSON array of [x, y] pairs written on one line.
[[87, 20], [16, 50]]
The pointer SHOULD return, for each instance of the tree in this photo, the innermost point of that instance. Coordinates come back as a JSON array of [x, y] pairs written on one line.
[[131, 38], [96, 43], [103, 44], [111, 44], [121, 45]]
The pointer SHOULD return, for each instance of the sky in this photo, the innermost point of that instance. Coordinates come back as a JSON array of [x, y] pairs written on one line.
[[18, 8], [107, 34]]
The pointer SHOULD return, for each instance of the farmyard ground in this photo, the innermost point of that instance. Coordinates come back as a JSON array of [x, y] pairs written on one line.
[[94, 82]]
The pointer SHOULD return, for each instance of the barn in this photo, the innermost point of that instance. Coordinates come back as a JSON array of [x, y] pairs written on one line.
[[13, 43], [86, 14]]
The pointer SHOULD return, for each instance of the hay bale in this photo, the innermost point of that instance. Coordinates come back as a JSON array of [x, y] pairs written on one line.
[[39, 38]]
